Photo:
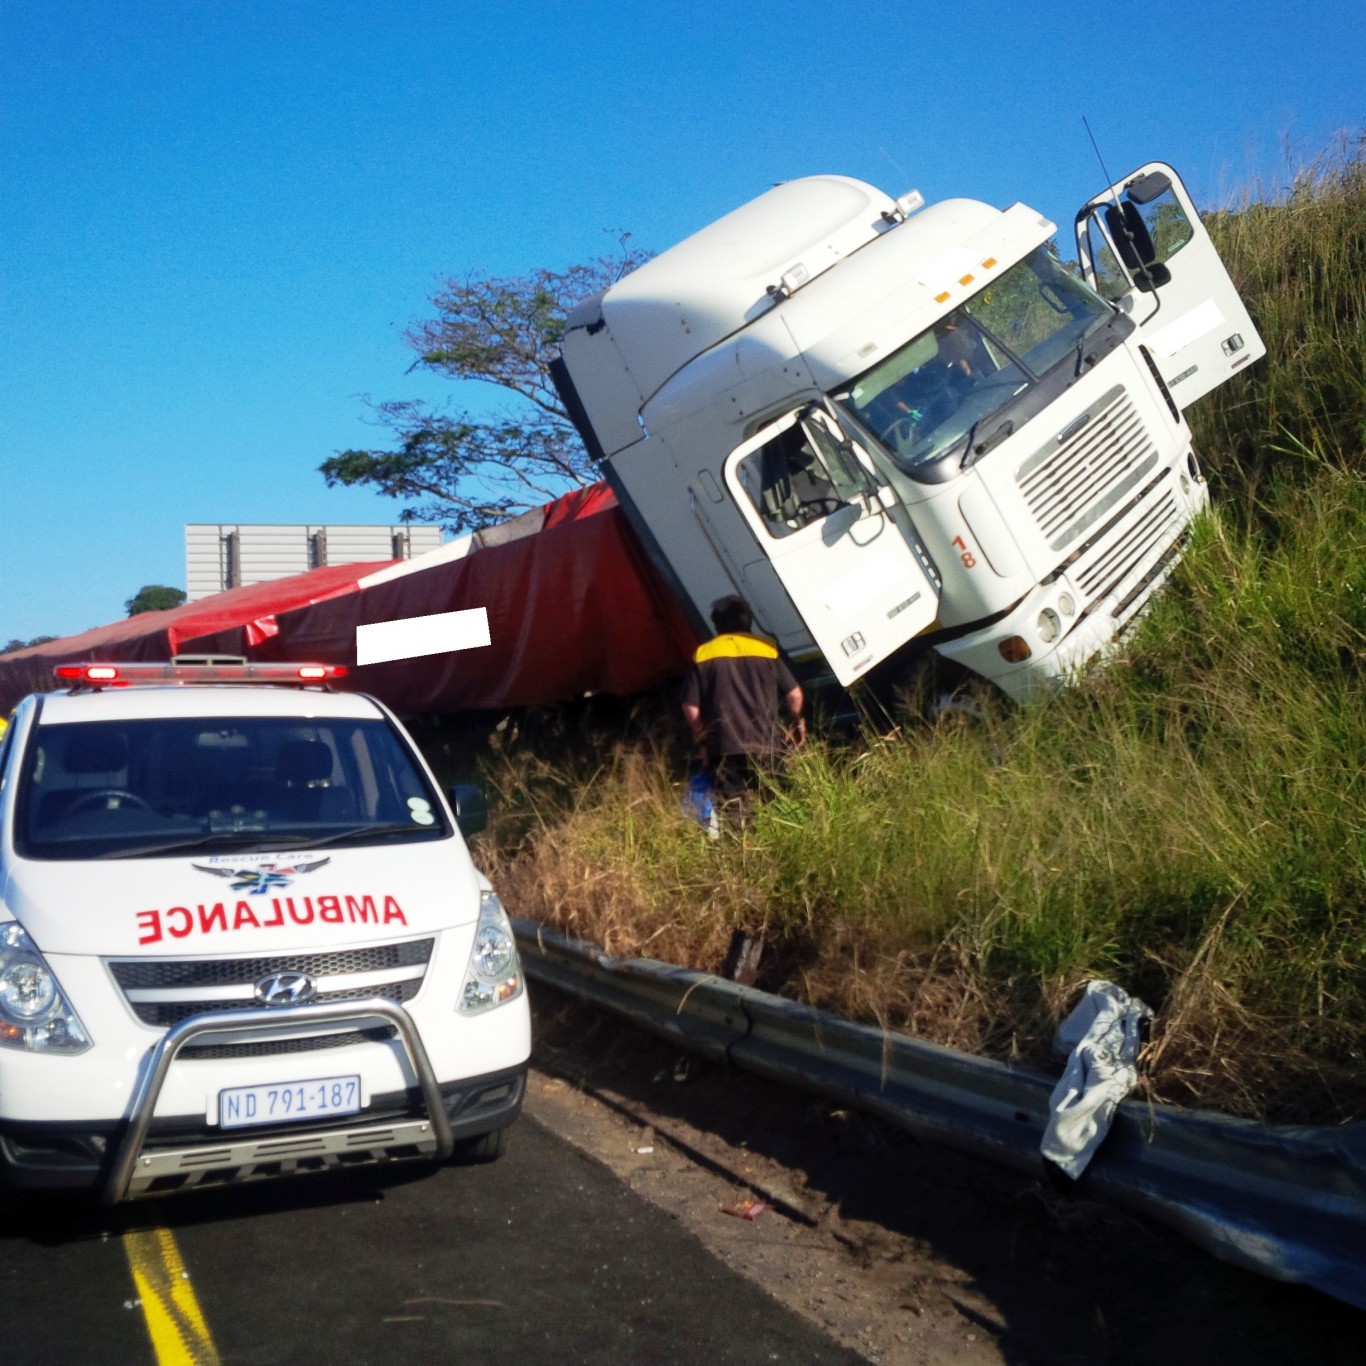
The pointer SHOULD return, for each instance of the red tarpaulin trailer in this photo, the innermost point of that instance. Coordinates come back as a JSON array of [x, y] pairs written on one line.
[[573, 605]]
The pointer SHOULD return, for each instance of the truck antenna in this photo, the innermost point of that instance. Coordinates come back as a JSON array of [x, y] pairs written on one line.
[[1121, 224], [900, 169], [1099, 158]]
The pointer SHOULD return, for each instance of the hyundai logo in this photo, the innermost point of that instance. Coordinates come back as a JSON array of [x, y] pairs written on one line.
[[285, 989]]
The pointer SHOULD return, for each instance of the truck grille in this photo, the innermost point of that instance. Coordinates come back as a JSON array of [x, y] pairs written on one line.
[[162, 992], [1070, 487], [1154, 530]]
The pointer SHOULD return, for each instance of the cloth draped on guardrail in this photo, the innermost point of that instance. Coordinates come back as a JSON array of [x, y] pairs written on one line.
[[1101, 1040]]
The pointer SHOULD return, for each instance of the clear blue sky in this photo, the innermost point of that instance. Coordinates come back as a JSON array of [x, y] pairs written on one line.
[[217, 217]]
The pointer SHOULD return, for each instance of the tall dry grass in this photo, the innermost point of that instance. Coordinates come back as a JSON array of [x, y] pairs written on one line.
[[1298, 257], [1189, 822]]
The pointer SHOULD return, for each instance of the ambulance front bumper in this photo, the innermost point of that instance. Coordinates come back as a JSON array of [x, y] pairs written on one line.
[[141, 1155]]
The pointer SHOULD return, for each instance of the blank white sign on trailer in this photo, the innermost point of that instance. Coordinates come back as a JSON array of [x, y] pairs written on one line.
[[411, 637]]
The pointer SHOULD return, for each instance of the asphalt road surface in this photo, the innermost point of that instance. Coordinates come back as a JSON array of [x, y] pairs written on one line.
[[603, 1237], [544, 1256]]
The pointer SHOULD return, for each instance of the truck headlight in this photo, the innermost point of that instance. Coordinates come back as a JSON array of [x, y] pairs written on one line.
[[34, 1013], [494, 974]]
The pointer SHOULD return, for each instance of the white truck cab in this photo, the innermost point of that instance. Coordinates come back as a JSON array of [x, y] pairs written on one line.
[[240, 937], [885, 423]]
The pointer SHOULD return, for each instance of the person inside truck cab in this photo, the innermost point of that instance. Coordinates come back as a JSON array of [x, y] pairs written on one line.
[[960, 348], [947, 362]]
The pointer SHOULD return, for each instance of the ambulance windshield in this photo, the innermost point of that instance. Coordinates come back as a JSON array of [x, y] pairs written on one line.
[[181, 785]]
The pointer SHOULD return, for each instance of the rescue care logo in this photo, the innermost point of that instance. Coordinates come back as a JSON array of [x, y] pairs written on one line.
[[259, 878]]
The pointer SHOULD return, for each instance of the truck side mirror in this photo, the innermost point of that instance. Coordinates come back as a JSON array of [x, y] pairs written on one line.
[[1134, 242], [1148, 187], [471, 811]]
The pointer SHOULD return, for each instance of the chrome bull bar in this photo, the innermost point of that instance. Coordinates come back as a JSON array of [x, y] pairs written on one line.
[[135, 1169]]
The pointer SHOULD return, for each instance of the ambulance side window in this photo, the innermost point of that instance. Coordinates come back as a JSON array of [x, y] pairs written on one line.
[[6, 739]]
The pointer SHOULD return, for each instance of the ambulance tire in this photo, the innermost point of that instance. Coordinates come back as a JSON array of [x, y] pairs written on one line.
[[472, 1152]]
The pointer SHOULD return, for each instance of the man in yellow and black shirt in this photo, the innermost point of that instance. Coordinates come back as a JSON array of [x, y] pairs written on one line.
[[731, 700]]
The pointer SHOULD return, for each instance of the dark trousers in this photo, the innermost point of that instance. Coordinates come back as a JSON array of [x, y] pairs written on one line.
[[736, 778]]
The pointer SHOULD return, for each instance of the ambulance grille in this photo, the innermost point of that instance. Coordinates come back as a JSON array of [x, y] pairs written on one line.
[[163, 992], [1070, 486], [164, 1014], [308, 1043], [131, 973]]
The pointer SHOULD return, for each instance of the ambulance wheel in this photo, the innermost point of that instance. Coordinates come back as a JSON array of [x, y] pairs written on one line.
[[489, 1147]]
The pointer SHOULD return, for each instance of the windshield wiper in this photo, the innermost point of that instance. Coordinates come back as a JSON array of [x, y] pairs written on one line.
[[1105, 341], [266, 840], [366, 832], [222, 839], [975, 453]]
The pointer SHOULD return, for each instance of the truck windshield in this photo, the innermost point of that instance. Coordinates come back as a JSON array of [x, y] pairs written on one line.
[[181, 785], [938, 388]]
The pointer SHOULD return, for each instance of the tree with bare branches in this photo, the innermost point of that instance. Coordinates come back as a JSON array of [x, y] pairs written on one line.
[[467, 472]]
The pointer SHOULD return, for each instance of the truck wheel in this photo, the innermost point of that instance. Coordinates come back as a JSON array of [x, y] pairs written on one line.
[[488, 1147]]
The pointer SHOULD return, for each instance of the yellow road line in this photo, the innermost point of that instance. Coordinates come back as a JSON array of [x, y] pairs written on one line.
[[175, 1322]]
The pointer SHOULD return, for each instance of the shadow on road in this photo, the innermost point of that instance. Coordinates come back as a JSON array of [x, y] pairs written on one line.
[[1052, 1275]]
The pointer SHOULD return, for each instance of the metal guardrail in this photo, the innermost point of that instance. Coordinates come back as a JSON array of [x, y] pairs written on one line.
[[1288, 1202]]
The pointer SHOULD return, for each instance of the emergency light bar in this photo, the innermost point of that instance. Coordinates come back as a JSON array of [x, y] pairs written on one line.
[[126, 675]]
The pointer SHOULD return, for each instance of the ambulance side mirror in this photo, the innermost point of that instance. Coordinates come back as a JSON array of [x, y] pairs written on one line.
[[471, 811]]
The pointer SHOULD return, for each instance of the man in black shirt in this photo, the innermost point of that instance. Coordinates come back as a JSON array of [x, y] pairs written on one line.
[[731, 699]]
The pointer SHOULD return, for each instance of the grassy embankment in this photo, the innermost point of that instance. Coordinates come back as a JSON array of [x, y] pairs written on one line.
[[1190, 822]]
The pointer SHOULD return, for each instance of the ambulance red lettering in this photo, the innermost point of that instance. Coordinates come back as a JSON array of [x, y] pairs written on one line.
[[211, 915], [362, 910], [180, 921]]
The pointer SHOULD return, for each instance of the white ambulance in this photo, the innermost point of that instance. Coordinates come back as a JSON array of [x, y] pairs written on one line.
[[240, 937]]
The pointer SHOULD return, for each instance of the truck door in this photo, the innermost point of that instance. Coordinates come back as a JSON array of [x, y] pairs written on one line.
[[833, 535], [1142, 245]]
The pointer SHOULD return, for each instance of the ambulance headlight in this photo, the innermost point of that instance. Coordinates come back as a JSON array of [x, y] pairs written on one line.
[[494, 974], [494, 952], [34, 1013]]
